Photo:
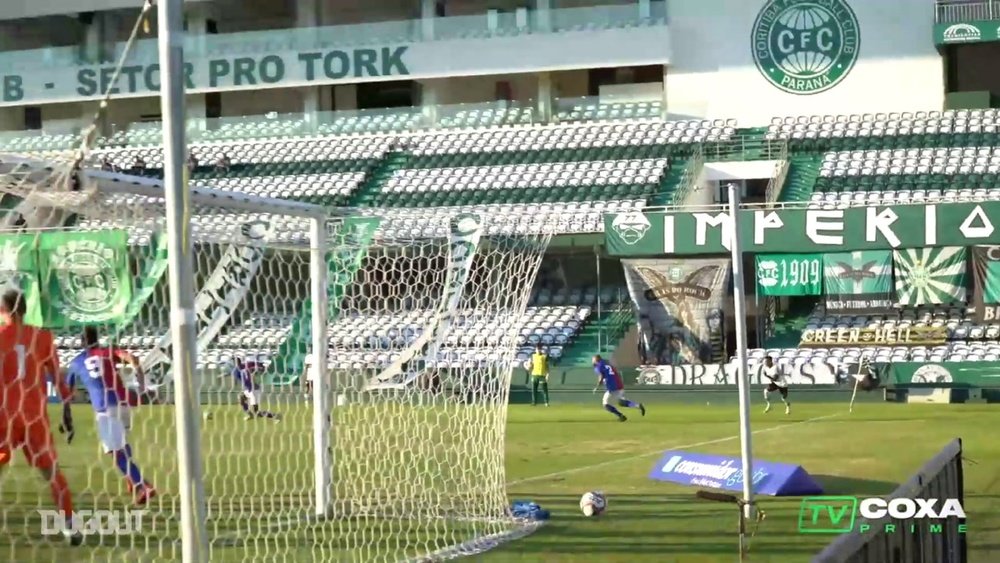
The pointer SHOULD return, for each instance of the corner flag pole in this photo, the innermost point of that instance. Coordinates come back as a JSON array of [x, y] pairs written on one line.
[[187, 384], [742, 374]]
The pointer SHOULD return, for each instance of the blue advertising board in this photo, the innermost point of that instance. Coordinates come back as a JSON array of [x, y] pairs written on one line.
[[725, 472]]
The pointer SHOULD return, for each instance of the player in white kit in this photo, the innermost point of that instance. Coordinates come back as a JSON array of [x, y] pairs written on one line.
[[777, 381]]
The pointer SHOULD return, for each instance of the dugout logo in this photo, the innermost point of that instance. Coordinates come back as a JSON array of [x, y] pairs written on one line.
[[805, 47], [88, 280]]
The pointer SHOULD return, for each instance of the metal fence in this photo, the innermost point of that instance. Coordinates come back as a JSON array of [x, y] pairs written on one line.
[[950, 11], [929, 541], [777, 183]]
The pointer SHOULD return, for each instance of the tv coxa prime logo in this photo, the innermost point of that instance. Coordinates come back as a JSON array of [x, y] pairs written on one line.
[[837, 514], [805, 46]]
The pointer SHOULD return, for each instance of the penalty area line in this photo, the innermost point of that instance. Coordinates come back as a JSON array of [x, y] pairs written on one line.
[[661, 450]]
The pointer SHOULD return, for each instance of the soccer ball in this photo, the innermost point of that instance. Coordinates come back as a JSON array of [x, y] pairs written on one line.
[[593, 503]]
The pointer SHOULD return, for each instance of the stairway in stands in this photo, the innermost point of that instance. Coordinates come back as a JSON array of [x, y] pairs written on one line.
[[788, 325], [802, 174], [376, 177], [669, 182], [599, 336]]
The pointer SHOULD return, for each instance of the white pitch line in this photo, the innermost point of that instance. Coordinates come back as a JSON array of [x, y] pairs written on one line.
[[660, 451]]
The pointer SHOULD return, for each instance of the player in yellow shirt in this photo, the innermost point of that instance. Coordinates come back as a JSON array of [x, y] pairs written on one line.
[[538, 366]]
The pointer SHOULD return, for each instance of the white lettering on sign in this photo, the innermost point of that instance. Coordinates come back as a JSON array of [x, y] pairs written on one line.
[[984, 229], [930, 225], [762, 221], [991, 313], [702, 223], [721, 471], [906, 508], [903, 335], [668, 234], [818, 221], [881, 223]]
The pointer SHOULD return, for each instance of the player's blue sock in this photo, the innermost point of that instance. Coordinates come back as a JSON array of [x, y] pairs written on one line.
[[629, 404], [123, 459], [611, 409], [245, 405]]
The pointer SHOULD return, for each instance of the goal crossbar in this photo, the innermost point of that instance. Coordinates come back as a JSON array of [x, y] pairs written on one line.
[[15, 167]]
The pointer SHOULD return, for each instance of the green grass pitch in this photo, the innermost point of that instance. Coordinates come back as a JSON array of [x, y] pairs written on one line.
[[554, 455]]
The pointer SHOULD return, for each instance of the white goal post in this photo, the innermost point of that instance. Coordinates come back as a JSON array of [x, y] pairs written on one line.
[[397, 450]]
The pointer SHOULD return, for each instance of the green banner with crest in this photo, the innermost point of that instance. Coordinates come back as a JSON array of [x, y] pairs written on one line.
[[789, 274], [84, 278]]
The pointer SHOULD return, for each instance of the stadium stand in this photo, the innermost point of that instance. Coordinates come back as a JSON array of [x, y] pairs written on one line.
[[527, 177]]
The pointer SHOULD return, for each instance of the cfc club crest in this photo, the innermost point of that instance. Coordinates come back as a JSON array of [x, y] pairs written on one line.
[[767, 273], [804, 46], [88, 280]]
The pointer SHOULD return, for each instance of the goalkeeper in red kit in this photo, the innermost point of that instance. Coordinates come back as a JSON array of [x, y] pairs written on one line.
[[27, 356]]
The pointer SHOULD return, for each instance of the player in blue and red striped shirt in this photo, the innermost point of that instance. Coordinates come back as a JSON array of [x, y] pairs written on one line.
[[250, 399], [614, 387], [96, 368]]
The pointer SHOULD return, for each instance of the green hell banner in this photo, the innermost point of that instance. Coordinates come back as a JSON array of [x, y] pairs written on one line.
[[930, 275], [789, 274], [858, 282], [957, 374], [19, 270], [683, 300], [986, 283], [84, 277], [766, 231], [976, 31]]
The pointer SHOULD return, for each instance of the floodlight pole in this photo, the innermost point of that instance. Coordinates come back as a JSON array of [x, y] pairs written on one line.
[[742, 374], [187, 383]]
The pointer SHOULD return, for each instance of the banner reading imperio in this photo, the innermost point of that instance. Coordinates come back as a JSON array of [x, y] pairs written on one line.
[[682, 299]]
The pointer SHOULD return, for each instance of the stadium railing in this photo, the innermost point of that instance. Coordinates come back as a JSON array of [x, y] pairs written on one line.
[[777, 183], [690, 177], [930, 541], [950, 11]]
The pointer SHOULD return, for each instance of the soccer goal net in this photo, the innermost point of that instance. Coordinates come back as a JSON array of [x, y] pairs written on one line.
[[392, 449]]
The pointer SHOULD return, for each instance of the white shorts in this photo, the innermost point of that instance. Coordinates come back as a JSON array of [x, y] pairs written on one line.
[[616, 396], [253, 397], [112, 428]]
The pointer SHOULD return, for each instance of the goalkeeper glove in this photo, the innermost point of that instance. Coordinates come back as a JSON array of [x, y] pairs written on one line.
[[66, 426]]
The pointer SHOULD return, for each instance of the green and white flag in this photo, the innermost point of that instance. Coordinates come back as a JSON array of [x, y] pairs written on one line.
[[858, 282], [930, 275], [84, 277], [986, 283], [19, 270], [789, 274]]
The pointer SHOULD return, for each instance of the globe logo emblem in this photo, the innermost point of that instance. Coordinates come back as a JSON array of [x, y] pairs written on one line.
[[88, 281], [806, 46]]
